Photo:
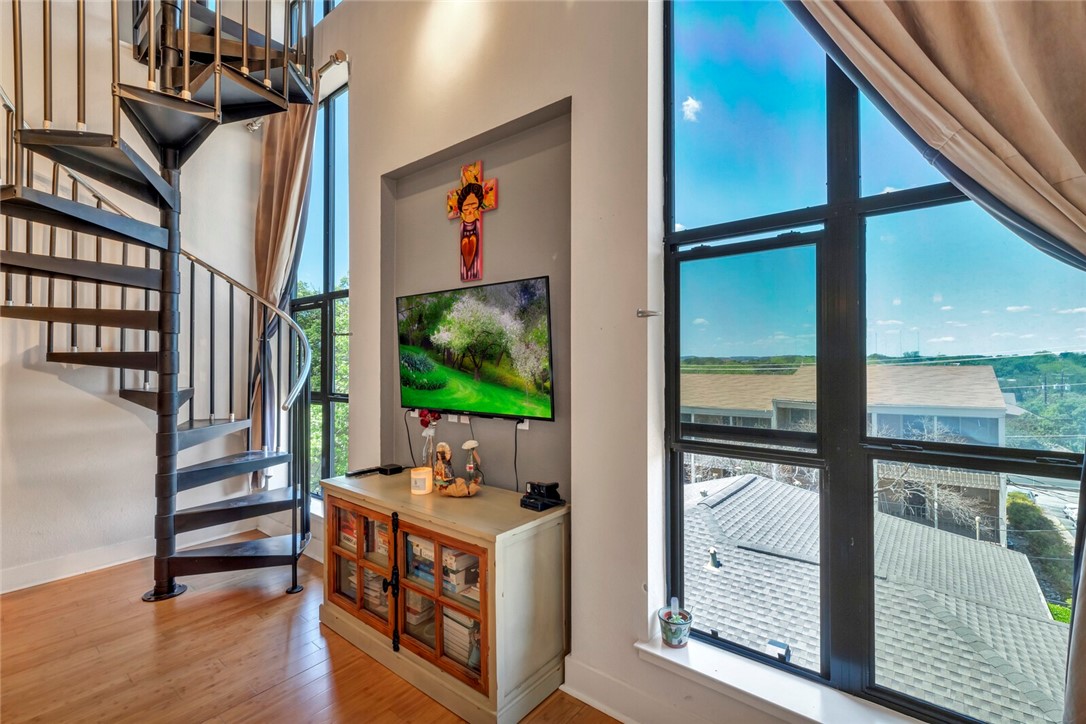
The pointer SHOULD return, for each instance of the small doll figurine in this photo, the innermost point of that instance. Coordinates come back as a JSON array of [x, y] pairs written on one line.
[[443, 469], [474, 468]]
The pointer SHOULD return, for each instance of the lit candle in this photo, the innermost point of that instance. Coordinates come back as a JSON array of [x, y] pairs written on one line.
[[422, 481]]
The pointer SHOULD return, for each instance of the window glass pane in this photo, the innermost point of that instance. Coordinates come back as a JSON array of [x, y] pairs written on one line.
[[340, 436], [341, 221], [316, 445], [310, 322], [751, 555], [972, 334], [311, 265], [973, 588], [888, 162], [747, 339], [341, 345], [750, 113]]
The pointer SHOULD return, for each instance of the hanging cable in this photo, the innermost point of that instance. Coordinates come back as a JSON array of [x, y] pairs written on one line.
[[407, 429], [516, 429], [471, 427]]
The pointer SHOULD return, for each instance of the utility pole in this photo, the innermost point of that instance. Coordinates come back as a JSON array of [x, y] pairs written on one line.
[[1044, 386]]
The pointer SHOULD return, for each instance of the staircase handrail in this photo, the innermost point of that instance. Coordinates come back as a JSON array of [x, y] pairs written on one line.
[[307, 359]]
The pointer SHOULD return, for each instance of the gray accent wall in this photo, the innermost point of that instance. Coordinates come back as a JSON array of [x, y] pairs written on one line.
[[528, 235]]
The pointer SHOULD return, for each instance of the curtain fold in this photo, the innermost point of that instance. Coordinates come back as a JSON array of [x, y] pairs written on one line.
[[993, 92], [280, 225]]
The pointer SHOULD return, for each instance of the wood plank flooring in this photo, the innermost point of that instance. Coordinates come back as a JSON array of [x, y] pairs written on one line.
[[233, 648]]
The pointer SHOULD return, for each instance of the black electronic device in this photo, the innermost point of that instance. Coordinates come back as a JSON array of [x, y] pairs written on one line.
[[541, 496], [386, 469]]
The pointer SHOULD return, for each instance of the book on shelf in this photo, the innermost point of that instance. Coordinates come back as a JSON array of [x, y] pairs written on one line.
[[454, 560], [422, 548], [464, 620], [471, 592]]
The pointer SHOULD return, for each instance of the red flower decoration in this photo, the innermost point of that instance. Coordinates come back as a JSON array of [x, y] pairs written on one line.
[[428, 417]]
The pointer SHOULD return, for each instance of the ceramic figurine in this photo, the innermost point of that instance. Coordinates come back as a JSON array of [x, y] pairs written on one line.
[[443, 469]]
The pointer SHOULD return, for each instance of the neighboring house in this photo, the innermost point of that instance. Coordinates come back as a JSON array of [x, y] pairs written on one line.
[[912, 402], [958, 622]]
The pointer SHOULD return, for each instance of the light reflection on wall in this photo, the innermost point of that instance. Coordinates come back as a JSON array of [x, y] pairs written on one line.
[[451, 38]]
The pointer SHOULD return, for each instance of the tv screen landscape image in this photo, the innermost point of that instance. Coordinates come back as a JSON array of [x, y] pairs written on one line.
[[483, 350]]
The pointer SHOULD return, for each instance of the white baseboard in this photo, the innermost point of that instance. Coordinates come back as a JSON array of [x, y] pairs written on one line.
[[637, 705], [74, 564]]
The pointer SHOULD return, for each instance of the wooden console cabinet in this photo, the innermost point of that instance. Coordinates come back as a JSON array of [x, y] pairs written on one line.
[[466, 598]]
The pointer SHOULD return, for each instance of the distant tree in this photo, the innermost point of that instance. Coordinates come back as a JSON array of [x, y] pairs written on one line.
[[477, 331], [530, 356]]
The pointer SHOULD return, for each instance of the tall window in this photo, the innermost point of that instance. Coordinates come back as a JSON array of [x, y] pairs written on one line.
[[320, 304], [876, 393]]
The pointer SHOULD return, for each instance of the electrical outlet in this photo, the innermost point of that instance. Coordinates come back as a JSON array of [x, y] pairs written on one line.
[[414, 413], [465, 419], [452, 418], [523, 425]]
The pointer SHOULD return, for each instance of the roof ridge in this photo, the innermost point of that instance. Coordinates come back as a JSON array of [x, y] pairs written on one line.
[[1029, 689]]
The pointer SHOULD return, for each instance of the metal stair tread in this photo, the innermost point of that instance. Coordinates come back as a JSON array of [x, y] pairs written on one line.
[[229, 466], [200, 431], [166, 121], [81, 270], [120, 318], [243, 97], [233, 509], [149, 398], [300, 90], [258, 553], [97, 156], [44, 208], [123, 360]]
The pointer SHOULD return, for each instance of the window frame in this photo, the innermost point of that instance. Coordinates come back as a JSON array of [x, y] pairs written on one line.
[[325, 302], [843, 450]]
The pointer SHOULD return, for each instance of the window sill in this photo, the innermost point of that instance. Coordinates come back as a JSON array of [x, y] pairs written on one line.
[[777, 693]]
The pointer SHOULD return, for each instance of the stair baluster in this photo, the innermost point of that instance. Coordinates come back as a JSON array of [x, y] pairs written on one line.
[[211, 345], [47, 62], [98, 285], [192, 336], [73, 290], [230, 347]]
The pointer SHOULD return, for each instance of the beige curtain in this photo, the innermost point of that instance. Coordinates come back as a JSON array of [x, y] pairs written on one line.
[[280, 213], [998, 88]]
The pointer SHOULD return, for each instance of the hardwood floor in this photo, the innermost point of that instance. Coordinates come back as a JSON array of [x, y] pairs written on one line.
[[234, 648]]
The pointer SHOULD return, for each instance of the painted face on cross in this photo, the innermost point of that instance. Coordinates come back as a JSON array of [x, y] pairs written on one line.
[[469, 210]]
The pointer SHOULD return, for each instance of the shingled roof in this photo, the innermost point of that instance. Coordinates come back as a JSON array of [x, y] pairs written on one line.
[[958, 622], [934, 386]]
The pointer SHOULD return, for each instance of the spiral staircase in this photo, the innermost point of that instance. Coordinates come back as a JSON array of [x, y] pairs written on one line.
[[130, 283]]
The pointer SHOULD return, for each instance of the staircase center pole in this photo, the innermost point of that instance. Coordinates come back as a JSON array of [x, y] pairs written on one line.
[[169, 323]]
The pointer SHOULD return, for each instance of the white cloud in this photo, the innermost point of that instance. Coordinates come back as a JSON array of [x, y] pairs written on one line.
[[1003, 334], [947, 308], [1026, 336], [914, 329], [941, 339], [691, 109], [888, 322], [679, 227], [986, 311], [1024, 308], [1076, 310], [701, 322], [937, 298], [897, 301], [957, 324], [888, 189], [891, 331]]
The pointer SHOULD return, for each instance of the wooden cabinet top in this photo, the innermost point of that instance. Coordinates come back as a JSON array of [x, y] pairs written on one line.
[[490, 514]]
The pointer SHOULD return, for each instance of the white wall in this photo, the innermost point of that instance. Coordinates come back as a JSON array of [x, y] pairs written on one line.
[[426, 77], [77, 463]]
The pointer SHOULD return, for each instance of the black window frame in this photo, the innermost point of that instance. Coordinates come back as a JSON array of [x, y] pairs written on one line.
[[841, 448], [325, 302]]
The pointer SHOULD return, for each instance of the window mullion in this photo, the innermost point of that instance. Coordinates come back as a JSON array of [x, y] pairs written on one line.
[[847, 527]]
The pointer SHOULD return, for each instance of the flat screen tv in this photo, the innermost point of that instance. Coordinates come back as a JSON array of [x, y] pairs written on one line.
[[483, 350]]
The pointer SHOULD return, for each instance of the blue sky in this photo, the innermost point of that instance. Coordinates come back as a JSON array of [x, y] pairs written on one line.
[[310, 269], [750, 135]]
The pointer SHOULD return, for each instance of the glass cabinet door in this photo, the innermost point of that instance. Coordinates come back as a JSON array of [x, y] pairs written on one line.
[[345, 578], [461, 639], [419, 557], [419, 620], [374, 598], [460, 576], [346, 529], [377, 541]]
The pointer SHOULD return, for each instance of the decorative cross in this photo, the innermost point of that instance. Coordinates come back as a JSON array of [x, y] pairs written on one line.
[[468, 202]]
